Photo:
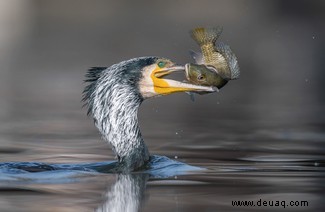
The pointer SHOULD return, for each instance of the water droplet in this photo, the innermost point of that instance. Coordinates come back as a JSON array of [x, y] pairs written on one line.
[[313, 37], [316, 164], [176, 157], [175, 177], [176, 133], [218, 103], [306, 80]]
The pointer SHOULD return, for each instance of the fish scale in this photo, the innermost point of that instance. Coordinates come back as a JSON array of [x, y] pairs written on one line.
[[218, 56], [216, 60]]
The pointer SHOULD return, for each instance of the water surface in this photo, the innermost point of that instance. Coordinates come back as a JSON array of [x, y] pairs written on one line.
[[237, 164]]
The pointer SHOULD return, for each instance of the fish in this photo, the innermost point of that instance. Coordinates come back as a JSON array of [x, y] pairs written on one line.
[[217, 57], [203, 75]]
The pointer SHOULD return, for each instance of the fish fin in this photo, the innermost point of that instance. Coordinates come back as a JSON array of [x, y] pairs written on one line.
[[191, 94], [198, 57], [206, 35], [231, 59]]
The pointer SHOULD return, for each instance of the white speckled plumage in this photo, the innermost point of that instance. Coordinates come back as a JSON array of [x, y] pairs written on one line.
[[113, 99]]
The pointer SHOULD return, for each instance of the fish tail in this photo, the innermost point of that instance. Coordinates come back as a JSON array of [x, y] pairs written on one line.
[[206, 35]]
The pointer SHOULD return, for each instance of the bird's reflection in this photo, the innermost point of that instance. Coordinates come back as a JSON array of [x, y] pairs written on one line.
[[126, 194]]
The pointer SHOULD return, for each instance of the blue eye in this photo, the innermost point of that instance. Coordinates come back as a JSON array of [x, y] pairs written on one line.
[[161, 64]]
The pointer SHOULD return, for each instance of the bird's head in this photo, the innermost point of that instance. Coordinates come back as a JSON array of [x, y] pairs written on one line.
[[152, 82], [132, 81]]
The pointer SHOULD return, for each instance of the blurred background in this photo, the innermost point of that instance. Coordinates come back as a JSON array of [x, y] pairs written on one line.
[[269, 120], [47, 46]]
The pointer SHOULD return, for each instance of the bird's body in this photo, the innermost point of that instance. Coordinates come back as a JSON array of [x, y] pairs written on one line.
[[114, 95]]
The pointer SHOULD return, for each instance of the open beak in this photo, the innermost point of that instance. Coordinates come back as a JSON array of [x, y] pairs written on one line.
[[166, 71], [168, 86]]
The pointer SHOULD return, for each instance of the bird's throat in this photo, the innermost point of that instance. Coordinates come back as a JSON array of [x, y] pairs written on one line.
[[115, 114]]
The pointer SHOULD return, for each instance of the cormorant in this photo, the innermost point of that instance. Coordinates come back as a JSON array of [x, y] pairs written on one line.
[[114, 95]]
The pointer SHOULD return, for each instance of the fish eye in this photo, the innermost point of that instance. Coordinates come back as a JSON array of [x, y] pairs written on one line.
[[161, 64], [200, 77]]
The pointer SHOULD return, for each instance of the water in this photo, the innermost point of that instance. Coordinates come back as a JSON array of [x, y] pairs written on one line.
[[277, 165]]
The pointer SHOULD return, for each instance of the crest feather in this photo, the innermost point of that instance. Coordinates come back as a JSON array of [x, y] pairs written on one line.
[[92, 75]]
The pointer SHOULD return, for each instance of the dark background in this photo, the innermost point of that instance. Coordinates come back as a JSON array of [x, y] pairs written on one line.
[[47, 46], [261, 137]]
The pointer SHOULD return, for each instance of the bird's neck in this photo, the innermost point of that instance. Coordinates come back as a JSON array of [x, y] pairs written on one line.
[[116, 117]]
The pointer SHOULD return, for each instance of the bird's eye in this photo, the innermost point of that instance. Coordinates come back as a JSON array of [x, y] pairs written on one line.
[[200, 77], [161, 64]]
